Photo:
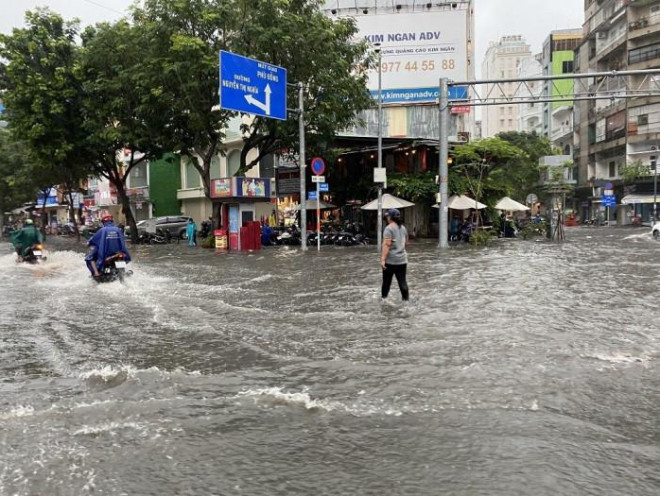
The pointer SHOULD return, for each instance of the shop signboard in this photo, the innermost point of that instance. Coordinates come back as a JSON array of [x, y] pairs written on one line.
[[249, 187], [288, 182], [233, 220], [221, 188], [418, 48]]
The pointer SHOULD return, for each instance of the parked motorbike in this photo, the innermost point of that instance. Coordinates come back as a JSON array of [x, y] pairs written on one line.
[[114, 269], [34, 254]]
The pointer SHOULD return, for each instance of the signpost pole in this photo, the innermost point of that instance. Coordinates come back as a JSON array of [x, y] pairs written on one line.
[[380, 146], [303, 176], [443, 168], [318, 216], [654, 166]]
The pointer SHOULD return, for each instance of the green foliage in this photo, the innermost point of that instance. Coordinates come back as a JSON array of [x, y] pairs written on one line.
[[634, 171], [208, 243], [481, 237], [482, 168], [534, 230], [44, 98], [522, 172], [17, 185], [180, 55], [414, 187]]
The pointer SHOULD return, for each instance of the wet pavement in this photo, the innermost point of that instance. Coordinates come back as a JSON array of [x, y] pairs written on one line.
[[526, 368]]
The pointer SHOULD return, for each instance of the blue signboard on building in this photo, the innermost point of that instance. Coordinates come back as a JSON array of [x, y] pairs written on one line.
[[251, 86], [420, 95]]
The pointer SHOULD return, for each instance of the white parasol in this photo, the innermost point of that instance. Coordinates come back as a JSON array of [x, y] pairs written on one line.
[[510, 205], [389, 201]]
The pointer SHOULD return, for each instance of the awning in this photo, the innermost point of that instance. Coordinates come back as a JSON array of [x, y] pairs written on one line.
[[635, 199]]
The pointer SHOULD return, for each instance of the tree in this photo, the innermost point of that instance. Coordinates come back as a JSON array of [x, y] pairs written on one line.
[[44, 99], [17, 184], [485, 167], [319, 52], [125, 118], [634, 171], [185, 37], [523, 171]]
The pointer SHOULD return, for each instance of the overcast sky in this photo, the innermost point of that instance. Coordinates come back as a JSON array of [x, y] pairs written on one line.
[[534, 19]]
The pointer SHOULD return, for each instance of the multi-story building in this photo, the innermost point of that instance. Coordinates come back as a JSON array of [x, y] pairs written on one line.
[[610, 134], [501, 62], [530, 118], [557, 58]]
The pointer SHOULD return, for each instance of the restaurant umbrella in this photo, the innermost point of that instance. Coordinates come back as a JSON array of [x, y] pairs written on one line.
[[510, 205], [314, 204], [462, 202], [389, 202]]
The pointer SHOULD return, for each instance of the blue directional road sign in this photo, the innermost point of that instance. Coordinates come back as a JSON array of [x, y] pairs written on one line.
[[609, 201], [312, 195], [324, 187], [251, 86]]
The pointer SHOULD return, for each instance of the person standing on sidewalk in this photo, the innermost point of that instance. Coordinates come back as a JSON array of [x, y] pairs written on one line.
[[191, 232], [394, 258]]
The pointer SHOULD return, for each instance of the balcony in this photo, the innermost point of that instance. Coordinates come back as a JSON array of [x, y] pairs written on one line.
[[644, 26], [609, 45], [560, 131], [643, 54]]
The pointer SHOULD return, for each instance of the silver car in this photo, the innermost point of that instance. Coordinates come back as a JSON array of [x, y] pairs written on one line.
[[175, 225]]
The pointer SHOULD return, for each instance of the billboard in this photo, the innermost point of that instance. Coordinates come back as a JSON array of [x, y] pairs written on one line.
[[418, 48]]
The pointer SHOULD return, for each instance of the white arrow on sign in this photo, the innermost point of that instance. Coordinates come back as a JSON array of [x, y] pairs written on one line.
[[263, 106]]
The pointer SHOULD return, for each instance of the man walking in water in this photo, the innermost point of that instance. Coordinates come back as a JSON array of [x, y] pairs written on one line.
[[394, 258]]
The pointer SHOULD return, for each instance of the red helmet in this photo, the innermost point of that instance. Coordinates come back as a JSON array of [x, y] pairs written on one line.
[[107, 218]]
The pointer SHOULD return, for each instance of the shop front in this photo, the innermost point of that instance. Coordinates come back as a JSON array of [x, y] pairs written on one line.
[[243, 201]]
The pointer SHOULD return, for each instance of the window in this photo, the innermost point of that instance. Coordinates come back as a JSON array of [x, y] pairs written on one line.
[[501, 123], [138, 176], [215, 167], [510, 123], [502, 110], [643, 120], [233, 163], [567, 67], [510, 110], [612, 169], [193, 179]]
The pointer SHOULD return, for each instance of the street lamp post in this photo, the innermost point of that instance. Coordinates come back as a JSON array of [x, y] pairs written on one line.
[[654, 167], [380, 145]]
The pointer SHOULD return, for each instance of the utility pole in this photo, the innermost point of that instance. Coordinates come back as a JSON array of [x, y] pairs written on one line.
[[303, 166], [380, 145], [443, 166], [654, 166]]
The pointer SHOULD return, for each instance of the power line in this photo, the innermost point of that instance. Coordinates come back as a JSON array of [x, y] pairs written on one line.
[[92, 2]]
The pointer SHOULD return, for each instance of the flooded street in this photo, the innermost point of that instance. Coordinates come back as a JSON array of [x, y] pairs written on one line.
[[524, 368]]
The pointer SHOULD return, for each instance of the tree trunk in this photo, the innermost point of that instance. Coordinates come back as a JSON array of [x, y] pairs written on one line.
[[44, 215], [72, 215], [126, 209]]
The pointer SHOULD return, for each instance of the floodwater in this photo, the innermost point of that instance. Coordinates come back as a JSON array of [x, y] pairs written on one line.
[[526, 368]]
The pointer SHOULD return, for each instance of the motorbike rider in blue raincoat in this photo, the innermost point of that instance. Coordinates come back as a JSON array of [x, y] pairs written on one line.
[[106, 242]]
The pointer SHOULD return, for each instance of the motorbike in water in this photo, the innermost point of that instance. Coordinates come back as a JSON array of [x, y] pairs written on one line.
[[114, 269], [33, 255]]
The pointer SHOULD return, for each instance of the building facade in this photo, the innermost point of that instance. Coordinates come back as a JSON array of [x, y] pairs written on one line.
[[502, 61], [558, 58], [530, 119], [612, 134]]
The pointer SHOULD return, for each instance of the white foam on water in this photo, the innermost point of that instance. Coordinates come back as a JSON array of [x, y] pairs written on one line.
[[110, 428], [18, 411], [646, 236], [617, 358], [277, 396]]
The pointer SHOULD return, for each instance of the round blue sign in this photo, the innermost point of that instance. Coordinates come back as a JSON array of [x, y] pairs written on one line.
[[318, 166]]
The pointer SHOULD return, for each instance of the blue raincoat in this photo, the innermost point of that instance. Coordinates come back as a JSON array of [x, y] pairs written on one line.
[[106, 242]]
